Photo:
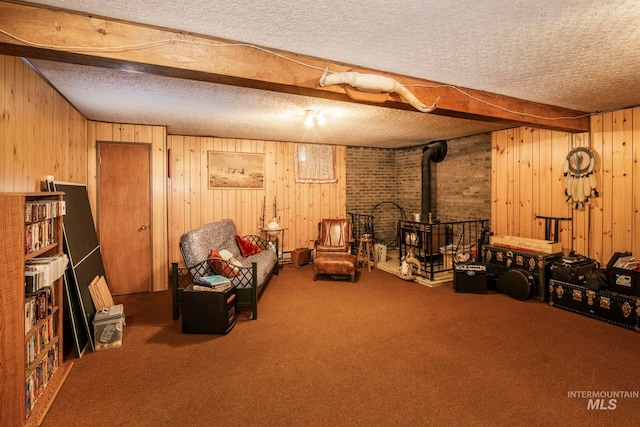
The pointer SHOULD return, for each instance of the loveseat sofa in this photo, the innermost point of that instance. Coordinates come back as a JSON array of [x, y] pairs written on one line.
[[249, 274]]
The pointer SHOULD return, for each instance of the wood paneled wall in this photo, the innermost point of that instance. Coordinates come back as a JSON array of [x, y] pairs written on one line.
[[41, 134], [299, 206], [527, 180], [615, 217], [156, 137]]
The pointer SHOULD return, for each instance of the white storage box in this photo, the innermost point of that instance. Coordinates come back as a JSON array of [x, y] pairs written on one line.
[[380, 252], [107, 327]]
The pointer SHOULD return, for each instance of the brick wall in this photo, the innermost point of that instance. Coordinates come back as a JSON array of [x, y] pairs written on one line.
[[463, 180], [409, 179], [370, 181], [460, 184]]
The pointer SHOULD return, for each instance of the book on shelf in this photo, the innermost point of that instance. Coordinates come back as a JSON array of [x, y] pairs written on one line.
[[42, 272]]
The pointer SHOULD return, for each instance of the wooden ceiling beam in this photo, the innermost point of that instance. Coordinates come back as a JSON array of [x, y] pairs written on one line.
[[66, 36]]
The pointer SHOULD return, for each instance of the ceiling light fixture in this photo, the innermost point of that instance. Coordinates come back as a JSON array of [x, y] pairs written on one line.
[[314, 118]]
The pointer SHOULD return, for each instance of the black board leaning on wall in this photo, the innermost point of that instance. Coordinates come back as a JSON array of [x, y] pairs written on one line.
[[85, 259]]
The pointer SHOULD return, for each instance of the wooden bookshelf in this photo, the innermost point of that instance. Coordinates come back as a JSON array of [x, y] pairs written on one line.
[[47, 361]]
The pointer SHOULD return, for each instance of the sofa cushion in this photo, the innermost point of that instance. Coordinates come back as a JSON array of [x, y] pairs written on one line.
[[246, 247], [265, 261], [221, 267], [197, 243]]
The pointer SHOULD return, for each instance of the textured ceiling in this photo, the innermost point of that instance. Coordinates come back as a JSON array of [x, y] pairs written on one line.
[[578, 54]]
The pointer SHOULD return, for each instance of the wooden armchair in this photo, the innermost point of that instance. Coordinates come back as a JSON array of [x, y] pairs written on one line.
[[334, 237]]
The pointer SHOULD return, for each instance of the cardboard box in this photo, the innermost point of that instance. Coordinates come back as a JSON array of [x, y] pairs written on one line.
[[523, 243], [300, 257], [107, 327]]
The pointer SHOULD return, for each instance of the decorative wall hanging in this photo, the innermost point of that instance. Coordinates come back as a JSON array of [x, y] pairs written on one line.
[[373, 83], [235, 170], [315, 163], [579, 179]]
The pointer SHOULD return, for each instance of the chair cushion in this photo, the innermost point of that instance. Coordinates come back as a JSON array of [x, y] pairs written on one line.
[[341, 264], [329, 248]]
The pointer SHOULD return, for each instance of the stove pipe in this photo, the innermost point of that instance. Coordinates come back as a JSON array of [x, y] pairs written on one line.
[[435, 152]]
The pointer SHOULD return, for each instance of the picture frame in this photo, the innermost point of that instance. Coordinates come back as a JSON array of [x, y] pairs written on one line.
[[229, 169]]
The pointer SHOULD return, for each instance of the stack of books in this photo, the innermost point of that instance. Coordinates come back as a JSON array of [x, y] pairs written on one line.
[[213, 283]]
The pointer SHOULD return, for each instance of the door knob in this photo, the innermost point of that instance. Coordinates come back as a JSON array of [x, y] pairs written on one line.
[[144, 227]]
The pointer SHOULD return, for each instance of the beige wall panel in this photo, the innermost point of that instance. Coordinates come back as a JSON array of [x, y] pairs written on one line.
[[177, 204], [494, 180], [41, 134], [561, 142], [607, 184], [197, 168], [546, 177], [622, 180], [143, 133], [299, 207], [596, 206], [500, 197], [206, 205], [635, 225], [5, 150], [307, 226], [127, 132], [18, 140], [104, 131], [96, 131], [581, 217], [158, 136], [525, 187], [609, 222], [536, 171], [9, 123], [511, 181]]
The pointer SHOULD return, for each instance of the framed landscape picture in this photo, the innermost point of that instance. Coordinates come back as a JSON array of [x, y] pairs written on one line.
[[235, 170]]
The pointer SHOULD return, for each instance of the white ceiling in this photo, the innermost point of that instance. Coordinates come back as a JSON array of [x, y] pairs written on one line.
[[579, 54]]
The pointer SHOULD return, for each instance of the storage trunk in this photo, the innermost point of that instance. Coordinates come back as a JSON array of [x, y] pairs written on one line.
[[573, 269], [300, 257], [606, 305], [501, 260]]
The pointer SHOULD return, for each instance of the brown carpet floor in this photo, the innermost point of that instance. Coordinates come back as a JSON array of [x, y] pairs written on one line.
[[381, 352]]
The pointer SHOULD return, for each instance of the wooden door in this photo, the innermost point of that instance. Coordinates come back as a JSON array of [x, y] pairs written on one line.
[[124, 215]]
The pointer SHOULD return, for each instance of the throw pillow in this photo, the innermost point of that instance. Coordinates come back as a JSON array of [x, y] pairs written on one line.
[[228, 256], [247, 247], [221, 267]]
